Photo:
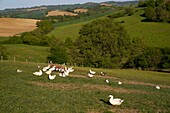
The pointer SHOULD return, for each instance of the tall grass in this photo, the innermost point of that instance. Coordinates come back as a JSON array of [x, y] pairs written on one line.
[[24, 92]]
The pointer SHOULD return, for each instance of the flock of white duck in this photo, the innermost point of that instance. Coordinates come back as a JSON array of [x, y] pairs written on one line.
[[64, 71]]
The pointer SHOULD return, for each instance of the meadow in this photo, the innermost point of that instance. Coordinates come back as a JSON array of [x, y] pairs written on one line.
[[25, 92], [154, 34], [27, 53]]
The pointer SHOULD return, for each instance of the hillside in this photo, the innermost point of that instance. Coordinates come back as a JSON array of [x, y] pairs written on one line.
[[13, 26], [154, 34]]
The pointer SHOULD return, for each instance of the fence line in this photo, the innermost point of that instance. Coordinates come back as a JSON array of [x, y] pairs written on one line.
[[26, 60]]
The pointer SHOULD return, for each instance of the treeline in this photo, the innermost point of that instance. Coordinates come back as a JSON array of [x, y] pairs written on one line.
[[102, 43], [106, 44], [156, 10]]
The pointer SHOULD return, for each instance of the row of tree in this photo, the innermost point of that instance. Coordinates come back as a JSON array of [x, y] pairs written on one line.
[[106, 44], [102, 43]]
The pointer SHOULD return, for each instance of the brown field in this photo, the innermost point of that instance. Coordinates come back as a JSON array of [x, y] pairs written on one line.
[[80, 10], [13, 26], [60, 13]]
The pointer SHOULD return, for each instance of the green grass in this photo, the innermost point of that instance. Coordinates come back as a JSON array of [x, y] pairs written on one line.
[[24, 92], [63, 32], [3, 39], [28, 53], [154, 34]]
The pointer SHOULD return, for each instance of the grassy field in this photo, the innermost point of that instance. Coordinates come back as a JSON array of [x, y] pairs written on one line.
[[64, 32], [154, 34], [26, 93], [28, 53]]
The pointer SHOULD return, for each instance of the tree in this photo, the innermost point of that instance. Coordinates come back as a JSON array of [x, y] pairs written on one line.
[[45, 25], [57, 55], [150, 13], [3, 52], [103, 43]]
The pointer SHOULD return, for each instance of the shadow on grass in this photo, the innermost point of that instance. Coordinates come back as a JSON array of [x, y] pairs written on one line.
[[106, 102]]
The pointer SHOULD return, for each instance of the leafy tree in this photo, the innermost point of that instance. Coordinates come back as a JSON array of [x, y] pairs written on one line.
[[150, 3], [150, 13], [3, 52], [103, 43], [58, 54], [45, 25], [162, 14]]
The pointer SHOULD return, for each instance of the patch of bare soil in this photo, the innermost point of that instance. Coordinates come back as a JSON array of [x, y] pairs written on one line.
[[87, 87], [13, 26], [115, 110], [125, 82], [146, 84]]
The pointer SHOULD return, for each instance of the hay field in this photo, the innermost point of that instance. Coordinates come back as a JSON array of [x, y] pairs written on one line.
[[13, 26], [60, 13]]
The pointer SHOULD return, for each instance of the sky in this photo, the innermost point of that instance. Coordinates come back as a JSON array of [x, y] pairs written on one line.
[[30, 3]]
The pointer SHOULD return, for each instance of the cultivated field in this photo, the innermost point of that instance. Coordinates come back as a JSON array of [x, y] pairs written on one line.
[[80, 10], [13, 26], [25, 92], [60, 13]]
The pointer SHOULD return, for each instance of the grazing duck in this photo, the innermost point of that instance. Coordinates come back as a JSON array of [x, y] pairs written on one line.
[[92, 72], [19, 71], [39, 73], [115, 101], [90, 75], [158, 87], [107, 81], [47, 67], [51, 77], [119, 83], [102, 73]]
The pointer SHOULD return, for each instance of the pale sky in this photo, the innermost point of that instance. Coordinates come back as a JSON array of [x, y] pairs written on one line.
[[30, 3]]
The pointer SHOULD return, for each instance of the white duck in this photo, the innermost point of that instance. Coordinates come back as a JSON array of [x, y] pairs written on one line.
[[51, 77], [115, 101], [107, 81], [47, 67], [70, 69], [158, 87], [92, 72], [19, 71], [119, 83], [102, 73], [90, 75], [39, 73]]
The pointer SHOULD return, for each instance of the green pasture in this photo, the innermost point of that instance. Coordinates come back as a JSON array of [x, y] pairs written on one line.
[[26, 53], [27, 93], [63, 32], [3, 39], [154, 34]]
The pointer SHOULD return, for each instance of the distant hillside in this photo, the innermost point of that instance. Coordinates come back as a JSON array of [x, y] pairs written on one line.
[[40, 12], [13, 26]]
